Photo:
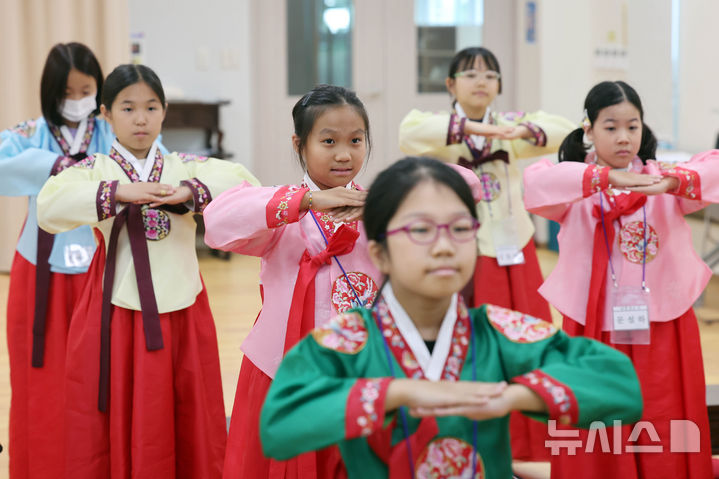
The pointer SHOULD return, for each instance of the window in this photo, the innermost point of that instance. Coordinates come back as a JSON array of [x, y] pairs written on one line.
[[443, 28], [319, 44]]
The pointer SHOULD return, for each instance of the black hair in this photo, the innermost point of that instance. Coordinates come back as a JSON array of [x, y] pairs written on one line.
[[127, 75], [62, 58], [603, 95], [465, 59], [314, 103], [392, 186]]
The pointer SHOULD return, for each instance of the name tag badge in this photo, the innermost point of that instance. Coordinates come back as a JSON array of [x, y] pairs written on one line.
[[77, 256], [506, 242], [630, 315]]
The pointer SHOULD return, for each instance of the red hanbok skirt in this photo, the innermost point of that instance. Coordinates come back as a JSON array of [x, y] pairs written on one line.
[[37, 428], [244, 457], [165, 416], [671, 375], [515, 287]]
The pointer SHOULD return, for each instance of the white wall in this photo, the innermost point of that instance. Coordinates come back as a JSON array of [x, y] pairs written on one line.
[[212, 53], [202, 51], [556, 73], [699, 76]]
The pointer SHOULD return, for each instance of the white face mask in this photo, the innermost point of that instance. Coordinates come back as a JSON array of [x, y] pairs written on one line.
[[78, 110]]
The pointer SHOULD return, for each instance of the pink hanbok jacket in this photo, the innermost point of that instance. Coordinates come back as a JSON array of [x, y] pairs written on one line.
[[266, 222], [567, 193]]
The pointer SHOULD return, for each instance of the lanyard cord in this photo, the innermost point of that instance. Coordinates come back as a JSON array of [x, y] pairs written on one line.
[[360, 303], [403, 413], [609, 252], [475, 423]]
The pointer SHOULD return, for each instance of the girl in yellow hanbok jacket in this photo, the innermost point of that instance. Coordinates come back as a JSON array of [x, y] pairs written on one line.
[[490, 143], [143, 394]]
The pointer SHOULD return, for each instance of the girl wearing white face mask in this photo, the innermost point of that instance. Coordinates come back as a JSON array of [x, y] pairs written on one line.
[[48, 271]]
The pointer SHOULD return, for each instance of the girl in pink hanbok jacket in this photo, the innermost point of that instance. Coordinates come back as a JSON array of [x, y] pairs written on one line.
[[314, 263], [628, 275]]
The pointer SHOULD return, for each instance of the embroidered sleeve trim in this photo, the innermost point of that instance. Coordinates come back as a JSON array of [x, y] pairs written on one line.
[[106, 205], [62, 163], [539, 138], [455, 132], [200, 194], [365, 407], [560, 400], [284, 206], [596, 179], [689, 182]]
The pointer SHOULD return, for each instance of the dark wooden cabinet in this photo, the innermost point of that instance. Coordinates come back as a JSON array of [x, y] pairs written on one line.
[[205, 116], [199, 115]]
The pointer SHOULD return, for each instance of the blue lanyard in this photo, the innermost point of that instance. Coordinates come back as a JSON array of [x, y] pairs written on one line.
[[402, 409], [360, 303], [609, 252]]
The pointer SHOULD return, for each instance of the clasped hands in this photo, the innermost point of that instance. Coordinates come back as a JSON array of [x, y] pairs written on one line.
[[155, 194]]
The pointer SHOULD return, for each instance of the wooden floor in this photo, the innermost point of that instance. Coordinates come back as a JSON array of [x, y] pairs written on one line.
[[235, 301]]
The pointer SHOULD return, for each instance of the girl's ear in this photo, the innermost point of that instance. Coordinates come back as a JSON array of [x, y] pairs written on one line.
[[449, 83], [379, 255], [296, 143], [164, 111], [106, 114], [588, 132]]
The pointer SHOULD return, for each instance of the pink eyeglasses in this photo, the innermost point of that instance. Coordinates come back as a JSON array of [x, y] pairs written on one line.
[[460, 230]]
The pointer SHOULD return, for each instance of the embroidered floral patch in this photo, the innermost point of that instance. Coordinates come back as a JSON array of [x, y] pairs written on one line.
[[631, 242], [518, 327], [343, 295], [157, 224], [25, 129], [88, 162], [448, 457], [187, 157], [491, 188], [513, 115], [345, 333]]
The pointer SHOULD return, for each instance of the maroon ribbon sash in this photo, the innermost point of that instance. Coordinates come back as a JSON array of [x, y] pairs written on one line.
[[132, 216], [478, 159], [301, 319], [624, 204], [45, 242]]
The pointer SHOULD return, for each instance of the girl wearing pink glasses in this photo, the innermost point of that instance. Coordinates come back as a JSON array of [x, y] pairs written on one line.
[[418, 349]]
